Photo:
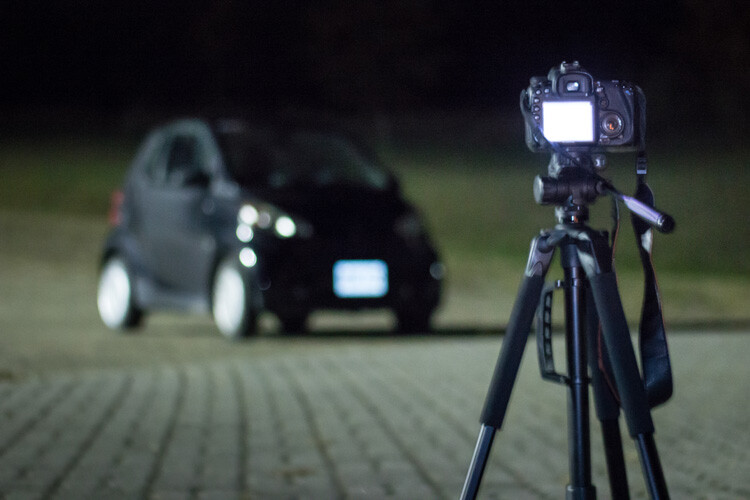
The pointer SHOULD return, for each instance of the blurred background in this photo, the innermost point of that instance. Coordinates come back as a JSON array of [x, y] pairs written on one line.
[[119, 60], [432, 85], [122, 60]]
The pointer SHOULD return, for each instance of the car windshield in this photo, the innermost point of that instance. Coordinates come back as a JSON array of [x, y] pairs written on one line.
[[261, 160]]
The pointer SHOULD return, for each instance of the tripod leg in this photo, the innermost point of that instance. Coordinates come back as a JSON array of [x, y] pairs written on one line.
[[478, 462], [511, 352], [607, 409], [616, 471], [596, 256], [628, 380], [516, 337]]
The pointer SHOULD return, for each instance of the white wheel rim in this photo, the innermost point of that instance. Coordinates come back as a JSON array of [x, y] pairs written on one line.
[[229, 301], [114, 294]]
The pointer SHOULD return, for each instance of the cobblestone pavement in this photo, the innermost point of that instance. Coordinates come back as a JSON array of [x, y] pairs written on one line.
[[374, 418]]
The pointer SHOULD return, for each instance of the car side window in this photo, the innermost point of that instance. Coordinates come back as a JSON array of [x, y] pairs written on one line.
[[156, 165], [185, 164]]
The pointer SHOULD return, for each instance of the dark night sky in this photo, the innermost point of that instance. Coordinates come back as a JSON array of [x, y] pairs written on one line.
[[691, 57]]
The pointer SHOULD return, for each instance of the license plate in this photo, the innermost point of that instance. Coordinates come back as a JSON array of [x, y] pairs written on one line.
[[360, 278]]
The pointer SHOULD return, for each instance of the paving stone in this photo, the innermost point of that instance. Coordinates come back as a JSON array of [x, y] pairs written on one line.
[[390, 419]]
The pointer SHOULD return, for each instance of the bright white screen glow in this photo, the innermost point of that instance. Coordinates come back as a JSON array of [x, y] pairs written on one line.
[[568, 121]]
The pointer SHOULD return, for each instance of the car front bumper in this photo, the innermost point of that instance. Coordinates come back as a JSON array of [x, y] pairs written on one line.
[[300, 277]]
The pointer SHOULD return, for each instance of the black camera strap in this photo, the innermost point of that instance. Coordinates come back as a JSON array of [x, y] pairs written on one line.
[[652, 335], [657, 370]]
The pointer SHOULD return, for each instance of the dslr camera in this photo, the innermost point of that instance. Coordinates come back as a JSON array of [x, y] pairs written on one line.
[[571, 111]]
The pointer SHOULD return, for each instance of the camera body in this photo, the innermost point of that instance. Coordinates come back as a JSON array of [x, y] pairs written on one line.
[[570, 110]]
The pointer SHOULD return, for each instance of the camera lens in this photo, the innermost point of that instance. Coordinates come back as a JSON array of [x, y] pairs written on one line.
[[612, 124]]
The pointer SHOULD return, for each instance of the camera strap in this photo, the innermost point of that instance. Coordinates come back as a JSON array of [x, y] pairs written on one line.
[[652, 336], [657, 370]]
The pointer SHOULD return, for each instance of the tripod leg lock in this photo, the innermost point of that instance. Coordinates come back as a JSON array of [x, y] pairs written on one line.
[[594, 251], [541, 253]]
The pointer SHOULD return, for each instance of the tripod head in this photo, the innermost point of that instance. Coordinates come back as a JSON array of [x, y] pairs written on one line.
[[573, 183], [571, 186]]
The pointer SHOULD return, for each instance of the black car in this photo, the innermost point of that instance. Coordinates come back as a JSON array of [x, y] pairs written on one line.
[[230, 219]]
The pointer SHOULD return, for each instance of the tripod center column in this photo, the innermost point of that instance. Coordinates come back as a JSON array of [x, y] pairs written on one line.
[[579, 445]]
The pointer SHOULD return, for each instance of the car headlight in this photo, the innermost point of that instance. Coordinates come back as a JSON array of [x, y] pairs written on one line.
[[249, 215], [248, 257], [285, 227], [253, 216]]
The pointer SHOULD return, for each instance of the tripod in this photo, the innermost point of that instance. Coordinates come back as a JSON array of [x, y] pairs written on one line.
[[591, 299]]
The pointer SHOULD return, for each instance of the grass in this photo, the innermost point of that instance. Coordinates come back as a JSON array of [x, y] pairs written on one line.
[[479, 208], [67, 175], [482, 203]]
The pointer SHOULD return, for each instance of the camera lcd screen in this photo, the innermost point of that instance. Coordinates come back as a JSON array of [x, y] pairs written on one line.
[[568, 121]]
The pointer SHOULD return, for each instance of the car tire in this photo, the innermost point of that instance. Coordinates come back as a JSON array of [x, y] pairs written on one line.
[[232, 304], [413, 321], [115, 295], [294, 323]]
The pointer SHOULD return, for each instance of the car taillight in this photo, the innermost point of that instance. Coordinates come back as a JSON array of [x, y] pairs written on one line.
[[115, 208]]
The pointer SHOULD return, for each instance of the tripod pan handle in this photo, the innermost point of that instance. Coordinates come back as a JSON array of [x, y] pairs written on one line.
[[663, 222]]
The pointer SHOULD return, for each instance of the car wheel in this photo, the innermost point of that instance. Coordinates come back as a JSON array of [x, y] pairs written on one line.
[[413, 321], [114, 298], [232, 306]]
